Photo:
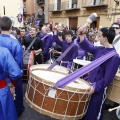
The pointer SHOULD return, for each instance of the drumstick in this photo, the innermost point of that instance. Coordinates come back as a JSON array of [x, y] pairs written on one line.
[[114, 108]]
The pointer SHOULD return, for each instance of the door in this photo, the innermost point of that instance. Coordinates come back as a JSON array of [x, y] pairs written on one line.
[[95, 24], [73, 22]]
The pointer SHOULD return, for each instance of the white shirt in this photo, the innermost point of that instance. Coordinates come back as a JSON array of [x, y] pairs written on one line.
[[117, 44]]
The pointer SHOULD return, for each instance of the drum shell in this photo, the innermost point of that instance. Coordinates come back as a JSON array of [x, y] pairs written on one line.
[[113, 91], [37, 98], [28, 61]]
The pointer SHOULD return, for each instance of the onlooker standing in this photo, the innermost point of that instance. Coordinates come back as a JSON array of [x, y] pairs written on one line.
[[16, 50], [22, 35], [116, 41]]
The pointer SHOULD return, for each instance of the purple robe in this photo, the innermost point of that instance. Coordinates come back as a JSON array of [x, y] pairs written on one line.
[[72, 54], [8, 66], [15, 49], [81, 53], [47, 42], [100, 78]]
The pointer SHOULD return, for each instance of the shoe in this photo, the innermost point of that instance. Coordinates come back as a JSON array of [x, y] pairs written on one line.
[[21, 111]]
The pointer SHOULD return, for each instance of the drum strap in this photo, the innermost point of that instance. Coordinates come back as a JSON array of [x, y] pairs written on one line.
[[83, 70], [60, 57], [28, 48]]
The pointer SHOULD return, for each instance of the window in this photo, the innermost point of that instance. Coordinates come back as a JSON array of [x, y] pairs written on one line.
[[96, 2], [73, 4]]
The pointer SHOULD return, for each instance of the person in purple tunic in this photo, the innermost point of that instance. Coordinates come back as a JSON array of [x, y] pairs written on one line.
[[15, 49], [47, 40], [72, 54], [101, 76], [8, 66]]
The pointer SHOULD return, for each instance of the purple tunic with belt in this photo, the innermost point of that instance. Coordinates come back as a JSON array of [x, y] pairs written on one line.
[[100, 78], [72, 54]]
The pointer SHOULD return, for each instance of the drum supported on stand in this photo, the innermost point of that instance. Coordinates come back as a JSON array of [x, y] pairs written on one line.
[[113, 93], [69, 103]]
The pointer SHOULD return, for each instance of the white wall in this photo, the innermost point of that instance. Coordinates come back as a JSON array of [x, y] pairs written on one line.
[[12, 9]]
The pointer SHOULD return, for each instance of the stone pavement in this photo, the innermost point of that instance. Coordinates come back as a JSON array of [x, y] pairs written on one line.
[[31, 114]]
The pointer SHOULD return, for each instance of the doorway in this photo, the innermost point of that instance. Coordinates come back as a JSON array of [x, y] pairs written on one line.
[[73, 21], [95, 24]]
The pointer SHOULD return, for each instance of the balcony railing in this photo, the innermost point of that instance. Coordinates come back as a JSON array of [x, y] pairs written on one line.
[[63, 6], [94, 3]]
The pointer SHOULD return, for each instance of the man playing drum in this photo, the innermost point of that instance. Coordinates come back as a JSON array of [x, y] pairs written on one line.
[[37, 46], [101, 76], [72, 54]]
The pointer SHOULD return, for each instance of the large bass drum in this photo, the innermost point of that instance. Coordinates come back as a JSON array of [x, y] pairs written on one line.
[[69, 103]]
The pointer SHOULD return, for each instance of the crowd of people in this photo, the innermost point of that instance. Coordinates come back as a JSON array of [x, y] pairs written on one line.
[[51, 42]]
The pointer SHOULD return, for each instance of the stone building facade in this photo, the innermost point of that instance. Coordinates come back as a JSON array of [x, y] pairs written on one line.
[[75, 12]]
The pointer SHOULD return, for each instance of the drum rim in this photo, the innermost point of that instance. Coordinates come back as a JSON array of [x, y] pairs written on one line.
[[33, 105], [71, 89], [32, 67]]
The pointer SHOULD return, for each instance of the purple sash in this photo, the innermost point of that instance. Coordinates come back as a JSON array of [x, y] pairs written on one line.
[[44, 37], [60, 57], [80, 72]]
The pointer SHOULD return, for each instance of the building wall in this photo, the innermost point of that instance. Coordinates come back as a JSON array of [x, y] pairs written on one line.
[[30, 6], [12, 9], [106, 15]]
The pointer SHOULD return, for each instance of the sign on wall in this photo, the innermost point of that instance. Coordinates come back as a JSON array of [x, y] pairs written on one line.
[[19, 18]]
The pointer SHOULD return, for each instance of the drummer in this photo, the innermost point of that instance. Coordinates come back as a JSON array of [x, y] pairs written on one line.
[[101, 76], [72, 54]]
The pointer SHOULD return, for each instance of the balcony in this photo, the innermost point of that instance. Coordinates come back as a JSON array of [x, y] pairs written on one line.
[[94, 3], [40, 1], [69, 6], [56, 7]]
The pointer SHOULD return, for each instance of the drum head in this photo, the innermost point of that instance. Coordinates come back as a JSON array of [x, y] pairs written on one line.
[[51, 77]]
